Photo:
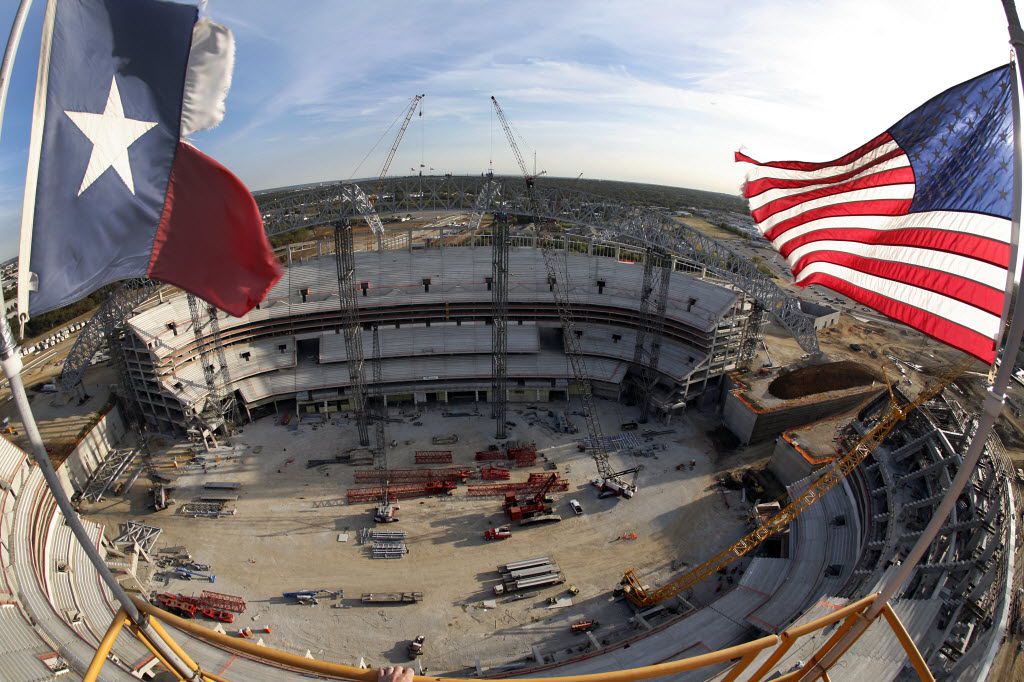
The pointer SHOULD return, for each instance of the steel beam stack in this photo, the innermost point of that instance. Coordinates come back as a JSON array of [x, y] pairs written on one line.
[[402, 491], [407, 475], [433, 456], [344, 258], [388, 550], [499, 324]]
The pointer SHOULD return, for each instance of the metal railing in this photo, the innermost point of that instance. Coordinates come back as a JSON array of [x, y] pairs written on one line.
[[741, 657]]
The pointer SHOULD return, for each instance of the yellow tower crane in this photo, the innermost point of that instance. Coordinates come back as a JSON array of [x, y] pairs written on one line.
[[641, 595]]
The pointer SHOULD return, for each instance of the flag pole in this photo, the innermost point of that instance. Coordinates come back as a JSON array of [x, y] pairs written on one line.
[[1013, 313], [10, 360]]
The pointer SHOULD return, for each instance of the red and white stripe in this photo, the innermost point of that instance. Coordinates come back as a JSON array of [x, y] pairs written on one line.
[[845, 225]]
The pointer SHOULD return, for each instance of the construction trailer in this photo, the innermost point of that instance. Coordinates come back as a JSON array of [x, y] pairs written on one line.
[[533, 572], [391, 597], [532, 583], [525, 563]]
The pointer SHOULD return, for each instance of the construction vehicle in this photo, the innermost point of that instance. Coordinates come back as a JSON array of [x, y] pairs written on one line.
[[391, 597], [386, 512], [581, 626], [615, 485], [186, 574], [311, 597], [415, 647], [534, 507], [529, 583], [499, 533], [642, 596], [557, 272]]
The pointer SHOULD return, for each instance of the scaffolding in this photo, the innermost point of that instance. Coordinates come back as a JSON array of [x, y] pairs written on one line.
[[344, 258]]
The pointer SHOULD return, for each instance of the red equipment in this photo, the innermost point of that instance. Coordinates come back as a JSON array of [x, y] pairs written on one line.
[[179, 607], [489, 455], [492, 473], [499, 533], [433, 456], [400, 492], [217, 614], [532, 484], [456, 474], [519, 509], [224, 602], [583, 626]]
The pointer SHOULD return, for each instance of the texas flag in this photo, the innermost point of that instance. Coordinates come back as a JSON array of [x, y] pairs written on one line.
[[113, 191]]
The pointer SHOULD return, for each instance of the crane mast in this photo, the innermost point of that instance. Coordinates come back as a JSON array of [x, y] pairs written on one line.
[[363, 203], [557, 276], [642, 596], [413, 105]]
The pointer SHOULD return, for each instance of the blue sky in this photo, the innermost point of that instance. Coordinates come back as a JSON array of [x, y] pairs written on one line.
[[648, 91]]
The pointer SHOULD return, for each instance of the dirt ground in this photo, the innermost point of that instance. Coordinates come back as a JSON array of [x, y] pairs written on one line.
[[279, 540], [834, 376]]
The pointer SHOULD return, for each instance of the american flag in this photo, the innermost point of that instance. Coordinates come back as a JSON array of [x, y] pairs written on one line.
[[915, 223]]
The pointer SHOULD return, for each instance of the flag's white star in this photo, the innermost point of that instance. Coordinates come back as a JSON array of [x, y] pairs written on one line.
[[111, 134]]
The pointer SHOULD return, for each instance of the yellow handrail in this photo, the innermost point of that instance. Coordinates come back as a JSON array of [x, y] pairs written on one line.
[[744, 654]]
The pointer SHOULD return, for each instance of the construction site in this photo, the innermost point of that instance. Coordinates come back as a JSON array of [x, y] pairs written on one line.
[[498, 427]]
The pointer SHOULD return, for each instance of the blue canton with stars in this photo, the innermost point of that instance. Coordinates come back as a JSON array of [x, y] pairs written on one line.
[[960, 145], [89, 231]]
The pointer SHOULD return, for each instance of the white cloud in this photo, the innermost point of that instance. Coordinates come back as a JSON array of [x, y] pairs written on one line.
[[658, 91]]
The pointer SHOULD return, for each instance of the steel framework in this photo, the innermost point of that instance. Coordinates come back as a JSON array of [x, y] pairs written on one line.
[[220, 408], [286, 210], [102, 328], [652, 323], [344, 258], [380, 453], [751, 336], [499, 324], [642, 596]]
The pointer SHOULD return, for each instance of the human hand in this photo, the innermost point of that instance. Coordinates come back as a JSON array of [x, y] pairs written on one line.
[[396, 673]]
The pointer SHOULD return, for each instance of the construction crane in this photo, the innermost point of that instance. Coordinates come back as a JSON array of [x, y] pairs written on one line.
[[220, 408], [535, 509], [558, 282], [642, 596], [355, 194], [385, 512]]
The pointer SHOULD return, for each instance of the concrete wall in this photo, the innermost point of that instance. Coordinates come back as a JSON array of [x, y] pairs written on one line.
[[823, 315], [93, 448], [787, 464], [751, 423]]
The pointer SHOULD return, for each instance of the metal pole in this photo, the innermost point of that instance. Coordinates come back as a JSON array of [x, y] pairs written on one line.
[[10, 359], [991, 407]]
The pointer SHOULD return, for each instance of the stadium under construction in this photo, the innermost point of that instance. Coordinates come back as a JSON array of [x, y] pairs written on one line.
[[546, 388]]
